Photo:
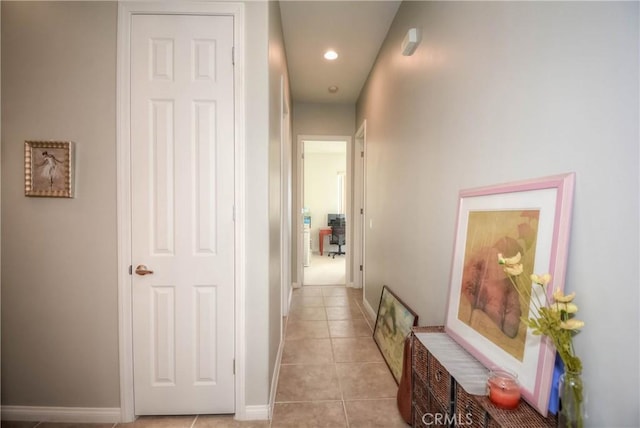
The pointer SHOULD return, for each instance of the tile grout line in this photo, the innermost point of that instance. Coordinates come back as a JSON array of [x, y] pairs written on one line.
[[335, 368], [337, 400], [332, 340], [335, 364]]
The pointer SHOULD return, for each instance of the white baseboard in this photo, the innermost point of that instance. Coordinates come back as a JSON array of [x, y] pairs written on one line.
[[289, 303], [256, 413], [94, 415], [274, 379], [295, 285], [265, 412], [61, 414], [369, 309]]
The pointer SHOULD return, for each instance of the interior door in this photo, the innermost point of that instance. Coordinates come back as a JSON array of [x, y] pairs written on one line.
[[182, 190]]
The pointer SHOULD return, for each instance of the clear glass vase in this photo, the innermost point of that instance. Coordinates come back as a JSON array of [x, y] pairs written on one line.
[[571, 411]]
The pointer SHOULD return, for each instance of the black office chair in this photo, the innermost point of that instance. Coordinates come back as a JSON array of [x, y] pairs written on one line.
[[337, 237]]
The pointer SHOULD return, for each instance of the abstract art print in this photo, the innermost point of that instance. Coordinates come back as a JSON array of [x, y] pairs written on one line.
[[484, 311]]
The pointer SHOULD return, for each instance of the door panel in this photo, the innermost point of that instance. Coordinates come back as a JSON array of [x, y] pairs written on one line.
[[182, 157]]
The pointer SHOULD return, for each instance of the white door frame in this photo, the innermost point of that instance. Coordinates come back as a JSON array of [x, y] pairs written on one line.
[[125, 329], [300, 203], [359, 193], [285, 200]]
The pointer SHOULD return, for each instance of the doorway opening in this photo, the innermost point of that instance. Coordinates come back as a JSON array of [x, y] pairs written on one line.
[[359, 203], [325, 203]]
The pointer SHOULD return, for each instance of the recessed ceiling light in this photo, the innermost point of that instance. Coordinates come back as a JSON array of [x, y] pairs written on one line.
[[330, 55], [333, 89]]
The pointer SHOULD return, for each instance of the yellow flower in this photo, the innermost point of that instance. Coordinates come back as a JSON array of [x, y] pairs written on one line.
[[509, 261], [513, 270], [511, 265], [560, 297], [542, 280], [570, 308], [552, 317], [571, 324]]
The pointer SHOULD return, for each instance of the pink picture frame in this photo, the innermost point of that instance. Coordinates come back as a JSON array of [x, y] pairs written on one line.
[[532, 217]]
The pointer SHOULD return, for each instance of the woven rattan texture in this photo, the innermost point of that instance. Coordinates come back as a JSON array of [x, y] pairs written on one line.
[[432, 386]]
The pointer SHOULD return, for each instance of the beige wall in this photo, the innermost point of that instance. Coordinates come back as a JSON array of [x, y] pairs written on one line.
[[324, 119], [257, 194], [59, 284], [504, 91], [278, 76]]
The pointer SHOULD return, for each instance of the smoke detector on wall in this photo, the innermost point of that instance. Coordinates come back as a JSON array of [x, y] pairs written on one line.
[[410, 42]]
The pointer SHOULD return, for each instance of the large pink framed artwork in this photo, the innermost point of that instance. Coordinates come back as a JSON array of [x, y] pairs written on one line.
[[484, 311]]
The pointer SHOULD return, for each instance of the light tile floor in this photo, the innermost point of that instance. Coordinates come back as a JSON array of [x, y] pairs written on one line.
[[332, 374]]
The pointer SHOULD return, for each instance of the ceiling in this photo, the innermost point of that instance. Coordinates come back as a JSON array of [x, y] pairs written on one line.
[[354, 29]]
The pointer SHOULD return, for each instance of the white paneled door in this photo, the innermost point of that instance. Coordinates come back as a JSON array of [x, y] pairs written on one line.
[[182, 157]]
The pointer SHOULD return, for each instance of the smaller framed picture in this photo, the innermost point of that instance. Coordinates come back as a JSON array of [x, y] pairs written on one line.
[[393, 325], [48, 169]]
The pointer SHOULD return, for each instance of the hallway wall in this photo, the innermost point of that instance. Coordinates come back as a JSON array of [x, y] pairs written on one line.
[[504, 91], [59, 256], [278, 75], [59, 284]]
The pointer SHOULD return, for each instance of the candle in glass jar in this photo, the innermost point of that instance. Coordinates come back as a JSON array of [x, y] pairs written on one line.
[[504, 389]]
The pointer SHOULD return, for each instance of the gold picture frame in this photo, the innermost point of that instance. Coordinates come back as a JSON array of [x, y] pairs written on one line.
[[48, 169]]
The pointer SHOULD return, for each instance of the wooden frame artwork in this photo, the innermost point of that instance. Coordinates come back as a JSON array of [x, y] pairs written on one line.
[[484, 311], [48, 169], [393, 323]]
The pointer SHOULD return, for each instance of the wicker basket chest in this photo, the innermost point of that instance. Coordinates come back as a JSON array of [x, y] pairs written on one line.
[[439, 400]]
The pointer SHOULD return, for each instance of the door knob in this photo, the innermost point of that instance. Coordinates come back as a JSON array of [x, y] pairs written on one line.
[[142, 270]]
